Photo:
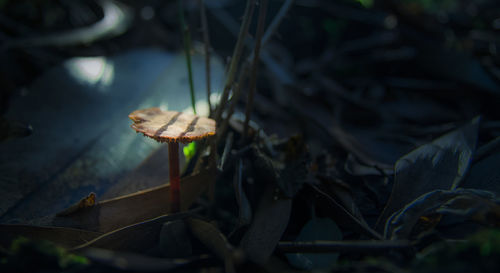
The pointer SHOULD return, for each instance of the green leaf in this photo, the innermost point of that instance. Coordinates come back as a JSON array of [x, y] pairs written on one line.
[[189, 150]]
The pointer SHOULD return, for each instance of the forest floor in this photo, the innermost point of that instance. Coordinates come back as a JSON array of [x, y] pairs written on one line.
[[364, 138]]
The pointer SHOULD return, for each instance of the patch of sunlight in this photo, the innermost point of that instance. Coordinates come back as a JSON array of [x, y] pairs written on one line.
[[163, 106], [215, 98], [201, 108], [93, 71]]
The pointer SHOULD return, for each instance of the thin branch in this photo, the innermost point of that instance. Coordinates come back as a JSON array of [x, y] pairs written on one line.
[[273, 26], [233, 67], [206, 41], [275, 23], [487, 150], [226, 20], [343, 246], [246, 65], [237, 92], [255, 64]]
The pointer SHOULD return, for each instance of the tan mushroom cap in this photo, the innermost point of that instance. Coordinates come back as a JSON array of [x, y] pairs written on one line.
[[171, 126]]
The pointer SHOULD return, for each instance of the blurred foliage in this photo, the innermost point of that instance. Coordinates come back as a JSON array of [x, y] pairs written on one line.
[[334, 28], [478, 254], [3, 3], [27, 255], [429, 6], [365, 3], [432, 6]]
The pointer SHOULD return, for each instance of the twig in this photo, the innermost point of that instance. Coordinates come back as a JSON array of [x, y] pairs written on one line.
[[150, 222], [227, 21], [237, 92], [342, 246], [273, 26], [253, 76], [187, 49], [227, 150], [206, 41], [233, 67], [487, 150], [278, 72]]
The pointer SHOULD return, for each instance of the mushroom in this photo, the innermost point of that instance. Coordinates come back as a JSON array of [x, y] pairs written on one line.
[[172, 127]]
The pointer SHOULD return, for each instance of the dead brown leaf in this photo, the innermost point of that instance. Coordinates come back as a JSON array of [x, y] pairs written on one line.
[[137, 207]]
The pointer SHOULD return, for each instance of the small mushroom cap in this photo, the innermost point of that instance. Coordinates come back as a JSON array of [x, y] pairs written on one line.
[[171, 126]]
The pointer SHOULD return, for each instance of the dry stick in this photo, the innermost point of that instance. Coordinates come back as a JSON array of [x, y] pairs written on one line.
[[237, 92], [273, 26], [229, 23], [248, 42], [275, 23], [221, 129], [233, 67], [343, 246], [206, 41], [274, 68], [245, 67], [255, 63], [227, 149], [222, 126], [487, 150]]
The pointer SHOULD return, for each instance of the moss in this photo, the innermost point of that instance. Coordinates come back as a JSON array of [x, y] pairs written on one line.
[[479, 253], [27, 255]]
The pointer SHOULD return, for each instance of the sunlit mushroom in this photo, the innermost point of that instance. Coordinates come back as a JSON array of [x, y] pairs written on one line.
[[172, 127]]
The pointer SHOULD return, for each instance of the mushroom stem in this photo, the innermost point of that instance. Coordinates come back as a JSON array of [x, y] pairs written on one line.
[[175, 185]]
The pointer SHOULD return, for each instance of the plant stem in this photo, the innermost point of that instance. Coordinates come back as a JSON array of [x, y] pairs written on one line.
[[206, 42], [233, 67], [253, 77], [187, 51], [175, 183]]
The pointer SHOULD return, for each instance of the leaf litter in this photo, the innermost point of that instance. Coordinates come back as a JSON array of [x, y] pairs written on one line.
[[346, 165]]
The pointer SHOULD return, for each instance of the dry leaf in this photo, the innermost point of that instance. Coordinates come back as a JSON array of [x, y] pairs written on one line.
[[270, 221], [214, 240], [440, 164], [126, 210]]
